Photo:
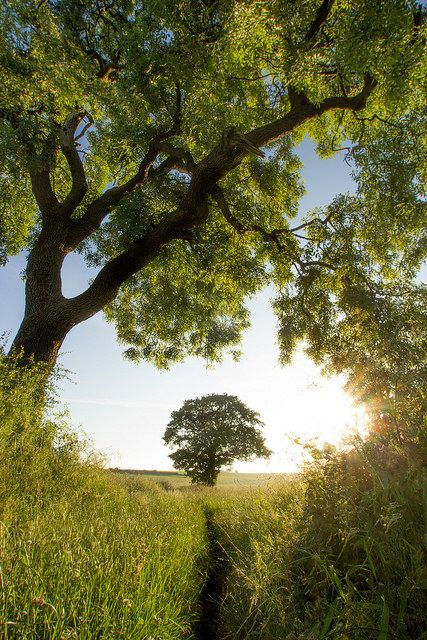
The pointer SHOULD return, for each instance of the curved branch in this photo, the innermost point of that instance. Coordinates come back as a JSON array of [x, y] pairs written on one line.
[[302, 109], [317, 263], [191, 213], [40, 166], [321, 17], [269, 236], [67, 141], [351, 103], [99, 208]]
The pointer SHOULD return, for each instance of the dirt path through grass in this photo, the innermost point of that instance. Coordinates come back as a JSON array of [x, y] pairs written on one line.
[[212, 594]]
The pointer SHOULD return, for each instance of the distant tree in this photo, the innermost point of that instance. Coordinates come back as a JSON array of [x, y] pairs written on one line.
[[212, 432]]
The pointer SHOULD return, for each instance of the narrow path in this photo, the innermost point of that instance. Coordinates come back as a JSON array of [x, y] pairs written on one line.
[[213, 592]]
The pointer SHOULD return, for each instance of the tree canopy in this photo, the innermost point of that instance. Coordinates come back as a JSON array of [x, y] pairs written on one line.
[[160, 141], [212, 432]]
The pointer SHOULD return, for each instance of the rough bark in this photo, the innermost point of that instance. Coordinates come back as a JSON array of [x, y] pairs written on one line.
[[46, 322], [41, 335]]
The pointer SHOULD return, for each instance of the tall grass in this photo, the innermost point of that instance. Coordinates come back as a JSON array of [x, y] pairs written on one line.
[[102, 566], [84, 555], [342, 556], [338, 553]]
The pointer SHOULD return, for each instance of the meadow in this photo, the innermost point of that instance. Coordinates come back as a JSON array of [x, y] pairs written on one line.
[[226, 479], [87, 553]]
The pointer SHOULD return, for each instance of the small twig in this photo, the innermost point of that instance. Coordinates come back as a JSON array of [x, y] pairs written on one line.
[[254, 79], [311, 222], [377, 117], [317, 263], [88, 124], [273, 236]]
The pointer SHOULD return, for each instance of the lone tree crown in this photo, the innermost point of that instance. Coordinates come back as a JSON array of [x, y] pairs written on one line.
[[212, 432]]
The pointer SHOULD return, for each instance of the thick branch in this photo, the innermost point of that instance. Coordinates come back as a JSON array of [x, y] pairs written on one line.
[[39, 169], [321, 17], [101, 207], [69, 149], [353, 103], [227, 155], [302, 109], [191, 213], [107, 69], [39, 164], [98, 210], [42, 190]]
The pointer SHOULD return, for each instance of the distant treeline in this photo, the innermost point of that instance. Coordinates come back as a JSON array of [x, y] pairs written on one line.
[[146, 472]]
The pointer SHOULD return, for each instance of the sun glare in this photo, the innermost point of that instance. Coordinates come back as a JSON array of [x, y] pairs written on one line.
[[303, 405], [330, 414]]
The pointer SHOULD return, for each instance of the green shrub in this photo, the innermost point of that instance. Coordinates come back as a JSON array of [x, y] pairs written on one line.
[[365, 521], [41, 456]]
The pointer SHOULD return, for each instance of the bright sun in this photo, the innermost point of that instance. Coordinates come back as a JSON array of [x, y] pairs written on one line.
[[329, 412], [304, 404]]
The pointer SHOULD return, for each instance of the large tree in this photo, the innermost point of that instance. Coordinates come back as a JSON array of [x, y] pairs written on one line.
[[212, 432], [159, 139]]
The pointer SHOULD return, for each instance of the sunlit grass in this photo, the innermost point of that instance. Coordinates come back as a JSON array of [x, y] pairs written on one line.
[[336, 553], [227, 479], [105, 565]]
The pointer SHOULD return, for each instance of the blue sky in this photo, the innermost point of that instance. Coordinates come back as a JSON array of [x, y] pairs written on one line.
[[125, 407]]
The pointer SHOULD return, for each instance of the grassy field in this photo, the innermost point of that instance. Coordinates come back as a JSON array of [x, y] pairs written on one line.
[[177, 480], [114, 556], [337, 553]]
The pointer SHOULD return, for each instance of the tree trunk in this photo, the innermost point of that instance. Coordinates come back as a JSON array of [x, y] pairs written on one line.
[[46, 321], [40, 336], [212, 470]]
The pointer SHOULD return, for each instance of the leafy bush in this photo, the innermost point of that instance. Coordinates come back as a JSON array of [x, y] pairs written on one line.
[[42, 457]]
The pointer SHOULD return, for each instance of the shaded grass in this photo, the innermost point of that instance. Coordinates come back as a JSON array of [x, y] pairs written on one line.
[[207, 626], [342, 555]]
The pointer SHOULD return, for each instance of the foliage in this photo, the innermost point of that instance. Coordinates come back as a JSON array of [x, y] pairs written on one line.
[[342, 555], [193, 225], [211, 432], [41, 455], [376, 335]]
